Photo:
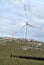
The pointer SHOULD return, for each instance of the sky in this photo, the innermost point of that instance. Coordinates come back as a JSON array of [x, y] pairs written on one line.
[[13, 17]]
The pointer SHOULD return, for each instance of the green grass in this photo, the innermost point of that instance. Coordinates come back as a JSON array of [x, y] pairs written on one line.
[[15, 48], [17, 61]]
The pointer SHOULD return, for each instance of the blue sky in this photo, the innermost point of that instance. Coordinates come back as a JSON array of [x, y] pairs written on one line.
[[12, 18]]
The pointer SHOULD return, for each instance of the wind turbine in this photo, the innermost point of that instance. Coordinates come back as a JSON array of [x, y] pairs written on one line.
[[27, 24]]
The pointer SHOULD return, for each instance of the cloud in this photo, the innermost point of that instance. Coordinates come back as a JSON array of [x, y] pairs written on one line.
[[38, 8], [19, 1]]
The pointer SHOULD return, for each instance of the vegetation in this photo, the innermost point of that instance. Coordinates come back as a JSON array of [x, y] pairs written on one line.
[[20, 47]]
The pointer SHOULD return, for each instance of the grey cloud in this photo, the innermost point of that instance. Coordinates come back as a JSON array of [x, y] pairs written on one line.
[[38, 9]]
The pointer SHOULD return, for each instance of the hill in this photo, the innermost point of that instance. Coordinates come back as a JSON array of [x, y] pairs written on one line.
[[18, 47]]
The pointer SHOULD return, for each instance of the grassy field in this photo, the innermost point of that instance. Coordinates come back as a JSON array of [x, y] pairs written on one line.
[[17, 61], [16, 47]]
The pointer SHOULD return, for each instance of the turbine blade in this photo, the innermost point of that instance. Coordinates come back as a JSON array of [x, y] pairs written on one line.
[[20, 29], [34, 27]]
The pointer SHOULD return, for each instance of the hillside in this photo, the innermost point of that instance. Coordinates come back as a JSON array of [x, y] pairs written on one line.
[[18, 47]]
